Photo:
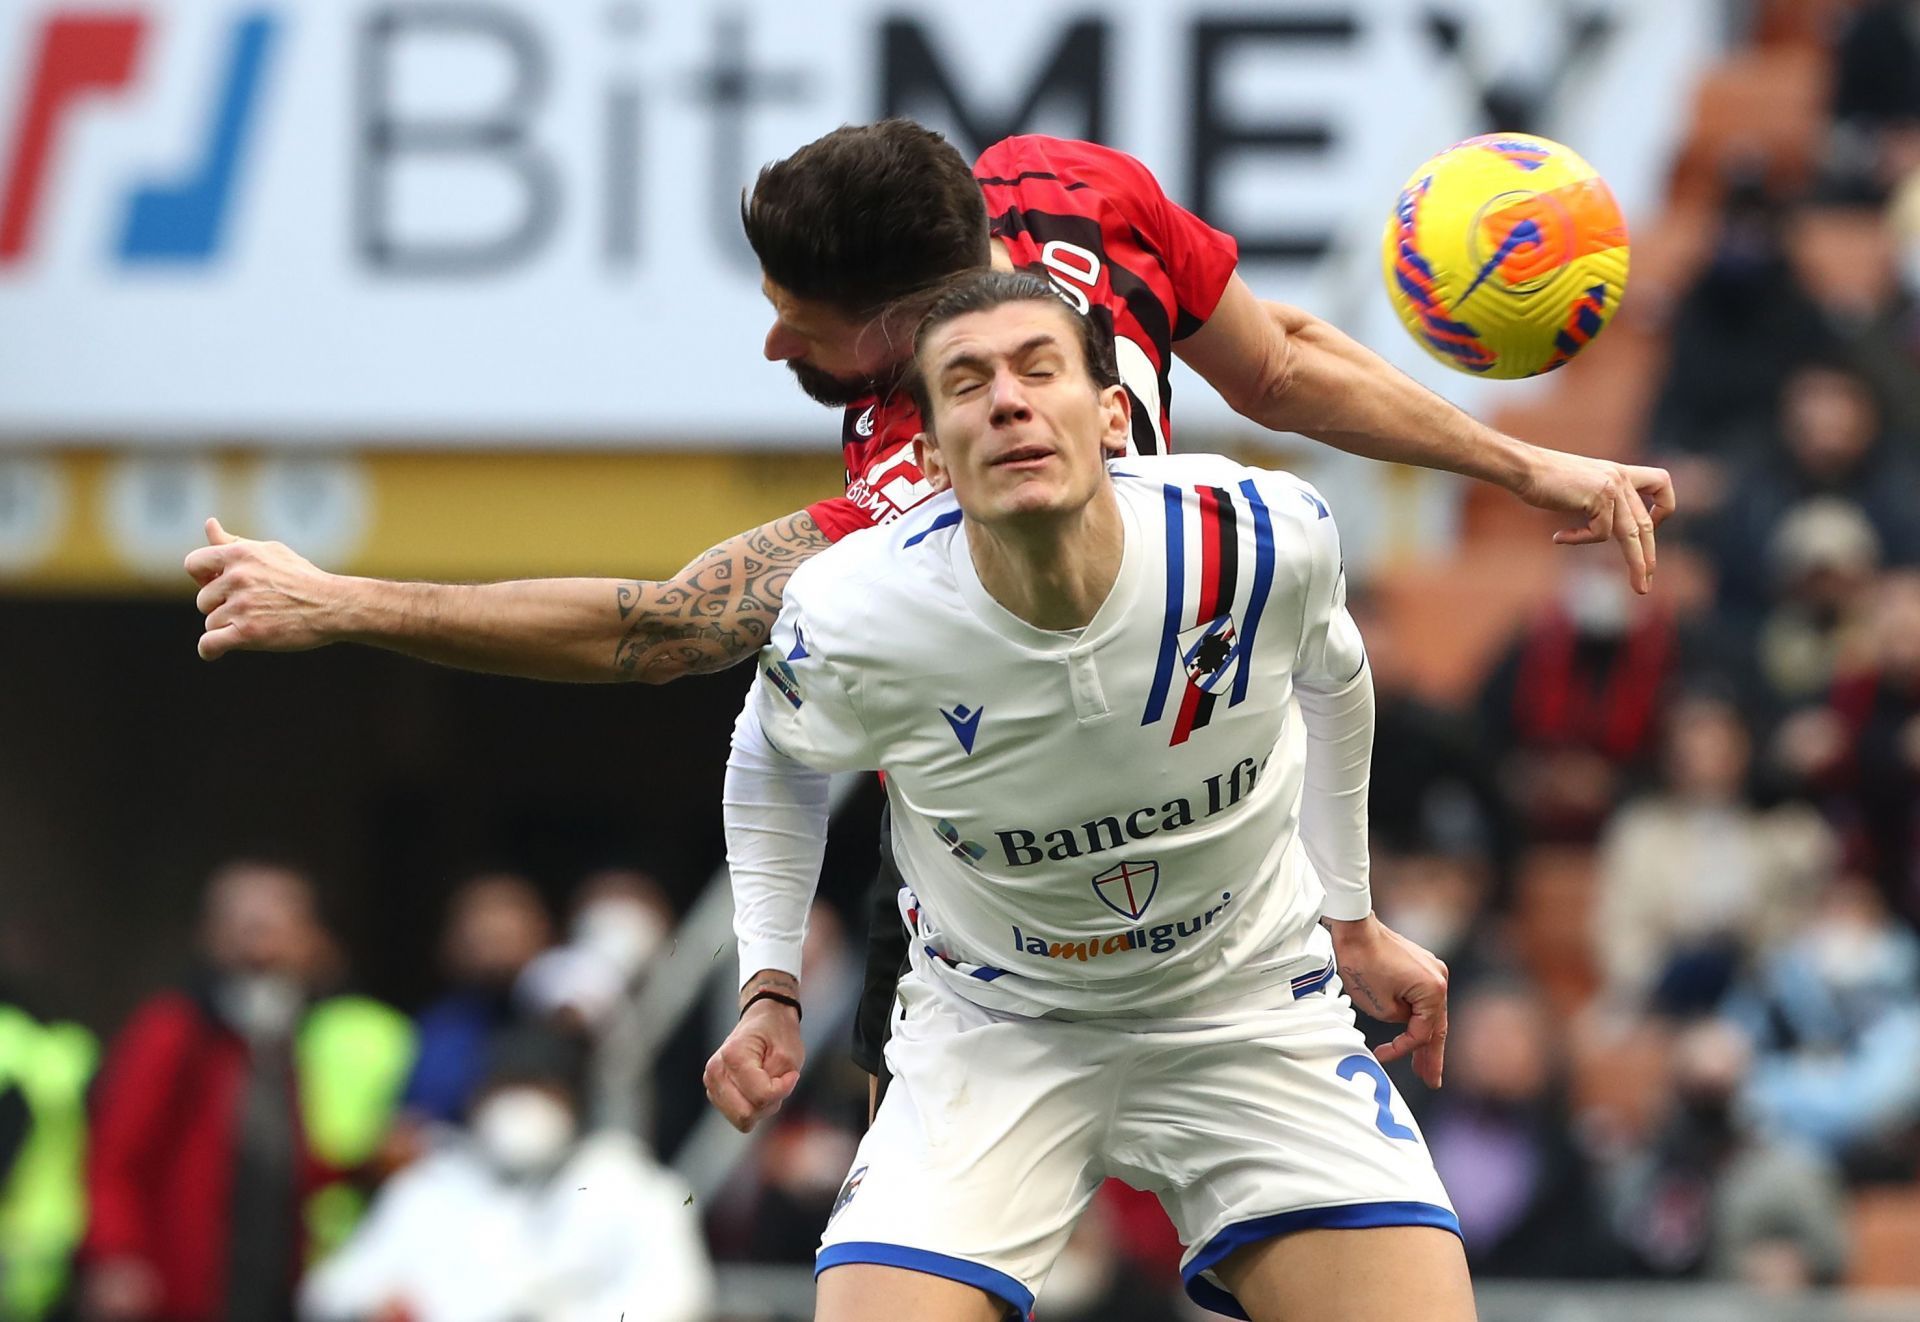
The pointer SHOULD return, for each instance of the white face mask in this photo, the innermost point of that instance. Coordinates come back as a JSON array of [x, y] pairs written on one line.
[[1599, 601], [260, 1004], [523, 1131], [624, 934]]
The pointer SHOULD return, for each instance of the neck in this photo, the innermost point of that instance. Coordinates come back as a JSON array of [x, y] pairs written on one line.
[[1000, 259], [1055, 572]]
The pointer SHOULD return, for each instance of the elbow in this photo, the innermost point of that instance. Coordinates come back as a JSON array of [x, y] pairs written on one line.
[[1267, 390], [639, 659]]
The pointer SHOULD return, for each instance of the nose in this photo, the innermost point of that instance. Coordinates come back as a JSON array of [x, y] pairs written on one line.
[[1009, 399], [782, 344]]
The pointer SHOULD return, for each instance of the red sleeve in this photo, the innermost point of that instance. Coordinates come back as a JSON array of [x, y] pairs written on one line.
[[129, 1111], [839, 516], [1199, 258]]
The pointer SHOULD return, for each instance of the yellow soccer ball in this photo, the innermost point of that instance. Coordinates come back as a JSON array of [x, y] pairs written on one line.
[[1505, 255]]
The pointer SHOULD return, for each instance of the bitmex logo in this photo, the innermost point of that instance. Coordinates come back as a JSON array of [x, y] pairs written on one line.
[[82, 57]]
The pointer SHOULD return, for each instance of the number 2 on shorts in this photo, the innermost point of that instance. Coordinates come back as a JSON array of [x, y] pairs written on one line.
[[1382, 1093]]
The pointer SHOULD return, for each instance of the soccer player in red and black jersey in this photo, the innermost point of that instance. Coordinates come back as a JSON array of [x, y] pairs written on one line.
[[854, 232], [1093, 221]]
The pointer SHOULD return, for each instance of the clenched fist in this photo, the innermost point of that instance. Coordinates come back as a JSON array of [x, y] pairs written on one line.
[[758, 1066], [259, 596]]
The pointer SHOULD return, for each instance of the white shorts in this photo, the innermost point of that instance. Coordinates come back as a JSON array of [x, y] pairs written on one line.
[[997, 1130]]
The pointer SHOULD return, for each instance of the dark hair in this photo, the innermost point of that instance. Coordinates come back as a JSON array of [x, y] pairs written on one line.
[[536, 1054], [865, 215], [982, 291]]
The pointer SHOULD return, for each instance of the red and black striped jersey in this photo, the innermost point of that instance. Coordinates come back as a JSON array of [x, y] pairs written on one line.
[[1096, 223]]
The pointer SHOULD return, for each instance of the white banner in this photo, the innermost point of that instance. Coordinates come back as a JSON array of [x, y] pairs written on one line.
[[516, 221]]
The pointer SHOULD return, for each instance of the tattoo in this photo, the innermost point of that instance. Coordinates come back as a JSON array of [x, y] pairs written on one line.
[[1354, 980], [770, 980], [719, 609]]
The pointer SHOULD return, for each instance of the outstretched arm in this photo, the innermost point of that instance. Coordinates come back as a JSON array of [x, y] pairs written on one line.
[[1288, 370], [262, 596]]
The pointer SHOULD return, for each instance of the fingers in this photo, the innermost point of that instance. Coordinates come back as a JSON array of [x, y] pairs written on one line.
[[741, 1087], [1426, 1041], [214, 594], [216, 643], [1655, 486], [218, 536], [1430, 1057], [206, 563], [1427, 1027], [1643, 522], [1627, 531], [1388, 1052], [726, 1098]]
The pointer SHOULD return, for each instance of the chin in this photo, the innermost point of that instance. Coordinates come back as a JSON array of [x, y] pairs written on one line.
[[1030, 503]]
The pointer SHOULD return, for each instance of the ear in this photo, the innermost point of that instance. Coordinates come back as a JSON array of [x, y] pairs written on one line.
[[926, 453], [1116, 421]]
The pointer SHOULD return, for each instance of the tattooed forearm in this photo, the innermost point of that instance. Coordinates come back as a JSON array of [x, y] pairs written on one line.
[[716, 611], [770, 980]]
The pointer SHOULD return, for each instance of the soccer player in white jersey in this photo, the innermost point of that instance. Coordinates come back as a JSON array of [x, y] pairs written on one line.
[[1127, 724]]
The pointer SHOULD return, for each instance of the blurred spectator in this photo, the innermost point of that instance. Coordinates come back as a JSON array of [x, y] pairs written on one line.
[[527, 1218], [802, 1168], [1904, 216], [1822, 561], [1712, 1196], [1878, 710], [224, 1114], [1694, 880], [1877, 70], [1846, 256], [1097, 1279], [1574, 707], [621, 921], [1832, 443], [496, 925], [1502, 1141], [44, 1069], [1834, 1016], [1744, 323], [1435, 788]]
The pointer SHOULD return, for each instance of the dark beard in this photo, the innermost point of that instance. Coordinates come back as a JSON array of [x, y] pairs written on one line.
[[839, 391]]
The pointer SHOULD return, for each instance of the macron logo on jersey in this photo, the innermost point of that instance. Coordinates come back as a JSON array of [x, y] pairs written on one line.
[[799, 652], [965, 723]]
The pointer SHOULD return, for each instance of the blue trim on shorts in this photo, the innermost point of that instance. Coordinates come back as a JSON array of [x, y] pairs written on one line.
[[1309, 983], [1352, 1216], [996, 1283]]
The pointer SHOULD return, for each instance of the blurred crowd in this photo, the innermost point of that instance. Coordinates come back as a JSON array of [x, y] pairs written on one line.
[[261, 1141], [1671, 856], [1672, 853]]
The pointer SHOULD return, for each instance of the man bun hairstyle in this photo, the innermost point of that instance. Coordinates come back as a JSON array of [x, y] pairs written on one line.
[[867, 215], [982, 291]]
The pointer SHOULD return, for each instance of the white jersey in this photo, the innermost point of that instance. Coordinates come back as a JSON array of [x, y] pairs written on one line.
[[1101, 821]]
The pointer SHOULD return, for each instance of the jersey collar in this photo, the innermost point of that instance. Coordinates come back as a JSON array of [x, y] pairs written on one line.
[[1112, 612]]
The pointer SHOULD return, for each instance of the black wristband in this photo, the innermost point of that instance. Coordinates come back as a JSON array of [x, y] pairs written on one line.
[[781, 997]]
